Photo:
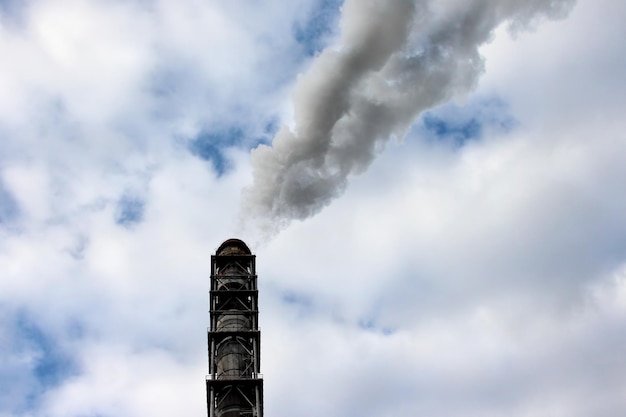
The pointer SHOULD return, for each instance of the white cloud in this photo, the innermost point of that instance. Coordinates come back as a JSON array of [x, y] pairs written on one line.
[[475, 279]]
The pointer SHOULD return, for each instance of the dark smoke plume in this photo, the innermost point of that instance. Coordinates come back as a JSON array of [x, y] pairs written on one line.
[[394, 59]]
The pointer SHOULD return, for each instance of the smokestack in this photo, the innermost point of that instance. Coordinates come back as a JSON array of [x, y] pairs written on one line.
[[234, 384], [394, 59]]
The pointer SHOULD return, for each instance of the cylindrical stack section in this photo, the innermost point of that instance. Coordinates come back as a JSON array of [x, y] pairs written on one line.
[[234, 383]]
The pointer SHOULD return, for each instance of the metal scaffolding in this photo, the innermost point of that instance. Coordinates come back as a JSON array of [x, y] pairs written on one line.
[[234, 384]]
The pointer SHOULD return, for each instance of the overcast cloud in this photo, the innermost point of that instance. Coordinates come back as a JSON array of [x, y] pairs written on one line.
[[442, 181]]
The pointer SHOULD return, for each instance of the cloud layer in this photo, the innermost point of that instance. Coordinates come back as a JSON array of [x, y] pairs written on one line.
[[475, 268]]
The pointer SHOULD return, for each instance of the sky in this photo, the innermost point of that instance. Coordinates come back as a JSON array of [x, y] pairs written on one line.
[[433, 189]]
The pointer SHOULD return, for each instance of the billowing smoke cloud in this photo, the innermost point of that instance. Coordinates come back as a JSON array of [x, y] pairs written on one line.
[[394, 59]]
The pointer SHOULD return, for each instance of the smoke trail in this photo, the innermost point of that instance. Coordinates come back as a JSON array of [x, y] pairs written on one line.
[[394, 59]]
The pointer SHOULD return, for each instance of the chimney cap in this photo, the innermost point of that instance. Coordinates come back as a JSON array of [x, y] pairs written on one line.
[[233, 247]]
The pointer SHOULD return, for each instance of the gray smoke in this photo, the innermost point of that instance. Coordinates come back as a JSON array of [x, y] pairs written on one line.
[[394, 59]]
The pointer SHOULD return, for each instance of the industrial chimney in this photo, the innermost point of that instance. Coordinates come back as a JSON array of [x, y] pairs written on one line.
[[234, 384]]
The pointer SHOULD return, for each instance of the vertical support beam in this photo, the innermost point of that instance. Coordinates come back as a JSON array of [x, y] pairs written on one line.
[[255, 358], [257, 395], [212, 402], [212, 359]]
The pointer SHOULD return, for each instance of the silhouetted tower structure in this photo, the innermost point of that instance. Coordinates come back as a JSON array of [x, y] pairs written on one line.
[[234, 384]]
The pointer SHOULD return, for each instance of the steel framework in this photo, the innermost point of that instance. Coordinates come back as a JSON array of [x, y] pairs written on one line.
[[234, 384]]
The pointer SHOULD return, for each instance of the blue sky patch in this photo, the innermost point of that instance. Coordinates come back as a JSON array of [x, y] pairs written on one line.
[[210, 152], [8, 206], [459, 125], [302, 303], [290, 297], [130, 210], [32, 363], [459, 132], [12, 11], [370, 321], [271, 127], [51, 365], [210, 145], [371, 325], [313, 34]]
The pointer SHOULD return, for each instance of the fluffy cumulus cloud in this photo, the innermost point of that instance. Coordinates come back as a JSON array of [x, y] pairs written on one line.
[[441, 183]]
